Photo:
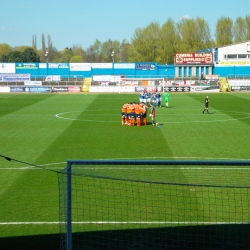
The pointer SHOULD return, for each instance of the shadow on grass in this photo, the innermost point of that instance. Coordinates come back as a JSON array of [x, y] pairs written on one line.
[[223, 237]]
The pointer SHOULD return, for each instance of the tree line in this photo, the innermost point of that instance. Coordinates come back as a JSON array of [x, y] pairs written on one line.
[[154, 43]]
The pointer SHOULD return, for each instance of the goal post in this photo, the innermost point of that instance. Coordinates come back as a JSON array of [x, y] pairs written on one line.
[[111, 204]]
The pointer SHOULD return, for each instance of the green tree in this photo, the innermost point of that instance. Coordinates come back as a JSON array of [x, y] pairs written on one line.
[[123, 52], [34, 43], [194, 34], [247, 19], [15, 56], [116, 48], [90, 54], [107, 49], [76, 59], [169, 42], [144, 44], [43, 50], [97, 47], [80, 52], [224, 31], [29, 55], [5, 49], [240, 30]]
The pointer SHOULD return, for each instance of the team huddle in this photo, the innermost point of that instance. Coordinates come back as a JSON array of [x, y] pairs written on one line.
[[134, 112]]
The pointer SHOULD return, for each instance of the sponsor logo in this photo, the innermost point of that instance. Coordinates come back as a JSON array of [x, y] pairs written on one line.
[[74, 89], [60, 89], [150, 89], [16, 89], [139, 89]]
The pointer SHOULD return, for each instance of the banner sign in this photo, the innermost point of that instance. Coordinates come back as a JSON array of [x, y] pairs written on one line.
[[42, 65], [177, 89], [104, 83], [108, 78], [124, 65], [145, 66], [59, 89], [233, 63], [37, 89], [27, 66], [205, 89], [240, 88], [111, 89], [8, 68], [102, 65], [177, 83], [150, 89], [53, 65], [58, 66], [131, 83], [16, 89], [5, 89], [74, 89], [139, 89], [194, 58], [33, 83], [52, 78], [212, 77], [80, 66], [14, 77]]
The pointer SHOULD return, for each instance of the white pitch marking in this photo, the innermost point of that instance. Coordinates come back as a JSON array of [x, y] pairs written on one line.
[[234, 112], [120, 222]]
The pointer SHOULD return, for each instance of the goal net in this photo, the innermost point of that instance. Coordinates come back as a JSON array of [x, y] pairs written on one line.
[[154, 205]]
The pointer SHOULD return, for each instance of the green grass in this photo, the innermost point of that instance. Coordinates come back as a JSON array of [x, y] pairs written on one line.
[[49, 129]]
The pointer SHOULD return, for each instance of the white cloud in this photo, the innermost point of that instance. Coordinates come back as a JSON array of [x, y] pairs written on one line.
[[11, 29], [185, 17]]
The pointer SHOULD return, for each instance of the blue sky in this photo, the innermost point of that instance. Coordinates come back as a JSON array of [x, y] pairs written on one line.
[[82, 22]]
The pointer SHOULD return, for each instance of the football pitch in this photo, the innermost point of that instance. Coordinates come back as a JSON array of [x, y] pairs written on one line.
[[49, 129]]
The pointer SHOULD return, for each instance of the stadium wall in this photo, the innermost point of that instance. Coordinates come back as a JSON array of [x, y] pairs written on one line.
[[89, 69]]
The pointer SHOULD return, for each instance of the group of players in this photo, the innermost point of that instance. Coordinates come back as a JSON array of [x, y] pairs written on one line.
[[137, 112], [147, 98], [134, 112]]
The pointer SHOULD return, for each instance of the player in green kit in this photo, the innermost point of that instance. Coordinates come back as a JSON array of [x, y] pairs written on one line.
[[166, 95]]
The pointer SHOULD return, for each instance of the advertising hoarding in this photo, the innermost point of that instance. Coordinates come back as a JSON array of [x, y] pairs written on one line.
[[145, 66], [59, 89], [37, 89], [14, 77], [240, 88], [194, 58], [52, 78], [102, 65], [5, 89], [124, 65], [33, 83], [80, 66], [108, 78], [111, 89], [26, 66], [177, 89], [233, 63], [7, 68], [74, 89], [16, 89]]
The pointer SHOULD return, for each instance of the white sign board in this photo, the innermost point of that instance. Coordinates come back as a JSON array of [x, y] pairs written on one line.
[[80, 66], [7, 68]]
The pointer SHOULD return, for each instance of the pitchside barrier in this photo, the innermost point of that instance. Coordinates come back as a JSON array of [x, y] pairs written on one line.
[[154, 205]]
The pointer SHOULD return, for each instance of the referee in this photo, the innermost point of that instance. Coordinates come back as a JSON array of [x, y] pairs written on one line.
[[206, 105]]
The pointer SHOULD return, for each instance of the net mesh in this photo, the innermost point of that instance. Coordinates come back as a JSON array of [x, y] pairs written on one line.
[[154, 205]]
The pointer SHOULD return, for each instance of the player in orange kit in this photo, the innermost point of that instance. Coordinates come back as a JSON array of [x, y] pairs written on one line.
[[124, 114], [137, 114], [131, 114]]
